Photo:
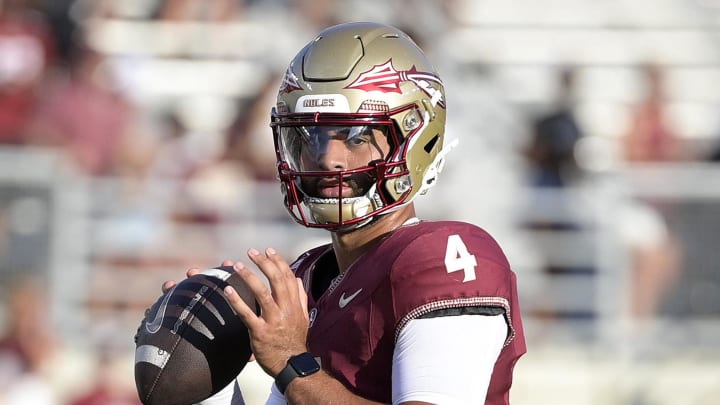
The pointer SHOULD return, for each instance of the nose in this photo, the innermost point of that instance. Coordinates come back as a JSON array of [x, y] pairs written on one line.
[[334, 157]]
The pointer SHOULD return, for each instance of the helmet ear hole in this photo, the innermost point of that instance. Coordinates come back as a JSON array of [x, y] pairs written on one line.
[[431, 144]]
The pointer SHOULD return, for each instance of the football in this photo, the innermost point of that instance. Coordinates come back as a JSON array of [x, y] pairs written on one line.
[[191, 344]]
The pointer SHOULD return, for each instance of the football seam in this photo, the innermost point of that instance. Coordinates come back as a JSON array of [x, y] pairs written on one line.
[[187, 321], [162, 369]]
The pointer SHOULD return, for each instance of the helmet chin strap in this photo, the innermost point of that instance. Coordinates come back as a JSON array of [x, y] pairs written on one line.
[[353, 207]]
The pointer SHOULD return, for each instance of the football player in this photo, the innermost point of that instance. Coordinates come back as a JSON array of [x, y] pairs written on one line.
[[396, 309]]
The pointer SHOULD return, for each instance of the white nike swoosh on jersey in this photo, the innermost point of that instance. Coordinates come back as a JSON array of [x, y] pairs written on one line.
[[346, 300], [156, 323]]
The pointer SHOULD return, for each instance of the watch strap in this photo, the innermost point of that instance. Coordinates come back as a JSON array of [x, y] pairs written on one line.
[[289, 373], [285, 377]]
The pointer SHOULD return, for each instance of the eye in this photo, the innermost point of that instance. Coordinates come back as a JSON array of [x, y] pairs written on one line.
[[359, 140], [360, 136]]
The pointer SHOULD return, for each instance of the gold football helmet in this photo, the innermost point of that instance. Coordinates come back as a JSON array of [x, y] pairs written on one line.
[[363, 82]]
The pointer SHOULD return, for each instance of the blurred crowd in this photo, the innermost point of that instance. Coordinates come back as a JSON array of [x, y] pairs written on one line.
[[59, 92]]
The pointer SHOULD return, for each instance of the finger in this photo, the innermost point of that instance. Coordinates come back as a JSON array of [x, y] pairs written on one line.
[[302, 295], [278, 274], [279, 262], [262, 294], [227, 263], [168, 285], [246, 314], [192, 272], [284, 272]]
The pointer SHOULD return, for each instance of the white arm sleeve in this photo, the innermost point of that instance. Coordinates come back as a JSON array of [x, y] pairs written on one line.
[[276, 398], [230, 395], [447, 360]]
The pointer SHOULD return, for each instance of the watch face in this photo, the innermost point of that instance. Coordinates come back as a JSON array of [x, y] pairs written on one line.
[[304, 364]]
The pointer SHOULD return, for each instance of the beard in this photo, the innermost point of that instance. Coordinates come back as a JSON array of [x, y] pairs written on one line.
[[337, 186]]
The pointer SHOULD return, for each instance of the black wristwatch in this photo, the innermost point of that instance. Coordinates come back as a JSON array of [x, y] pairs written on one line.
[[302, 365]]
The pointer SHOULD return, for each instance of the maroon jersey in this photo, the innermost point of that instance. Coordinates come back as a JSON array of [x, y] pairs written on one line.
[[415, 271]]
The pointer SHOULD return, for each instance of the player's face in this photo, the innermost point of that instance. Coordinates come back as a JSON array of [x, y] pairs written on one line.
[[340, 148]]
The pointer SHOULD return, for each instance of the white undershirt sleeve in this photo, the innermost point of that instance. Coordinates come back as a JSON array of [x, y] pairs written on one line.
[[230, 395], [447, 360], [276, 398]]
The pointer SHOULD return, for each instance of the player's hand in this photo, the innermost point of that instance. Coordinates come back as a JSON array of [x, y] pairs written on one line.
[[169, 284], [281, 329]]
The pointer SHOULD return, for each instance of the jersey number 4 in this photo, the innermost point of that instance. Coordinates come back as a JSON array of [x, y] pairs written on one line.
[[458, 258]]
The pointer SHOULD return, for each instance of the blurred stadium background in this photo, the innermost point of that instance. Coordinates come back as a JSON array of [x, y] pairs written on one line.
[[134, 145]]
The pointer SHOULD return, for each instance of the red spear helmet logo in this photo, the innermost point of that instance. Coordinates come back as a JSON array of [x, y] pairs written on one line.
[[387, 79]]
